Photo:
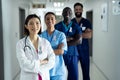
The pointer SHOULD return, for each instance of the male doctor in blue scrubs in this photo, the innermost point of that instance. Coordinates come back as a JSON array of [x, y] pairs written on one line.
[[83, 48], [73, 34]]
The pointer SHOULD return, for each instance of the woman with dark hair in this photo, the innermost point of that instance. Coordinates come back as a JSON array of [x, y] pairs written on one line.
[[35, 54]]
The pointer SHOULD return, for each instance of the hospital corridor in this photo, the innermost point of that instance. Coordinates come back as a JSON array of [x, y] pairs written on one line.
[[104, 46]]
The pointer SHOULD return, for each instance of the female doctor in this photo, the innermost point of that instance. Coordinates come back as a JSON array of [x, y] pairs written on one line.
[[35, 54]]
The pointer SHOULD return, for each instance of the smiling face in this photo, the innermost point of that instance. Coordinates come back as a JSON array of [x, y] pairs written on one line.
[[33, 26], [78, 11], [50, 21], [67, 14]]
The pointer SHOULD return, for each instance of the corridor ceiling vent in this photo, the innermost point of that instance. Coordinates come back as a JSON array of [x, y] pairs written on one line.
[[38, 6]]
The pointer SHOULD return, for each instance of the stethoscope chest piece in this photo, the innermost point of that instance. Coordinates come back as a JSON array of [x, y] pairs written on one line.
[[26, 46]]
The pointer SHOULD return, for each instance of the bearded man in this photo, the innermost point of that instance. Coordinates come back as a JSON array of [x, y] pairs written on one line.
[[83, 48]]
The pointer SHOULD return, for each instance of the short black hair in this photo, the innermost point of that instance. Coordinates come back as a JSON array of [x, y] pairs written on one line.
[[67, 9], [26, 32], [78, 4], [50, 13]]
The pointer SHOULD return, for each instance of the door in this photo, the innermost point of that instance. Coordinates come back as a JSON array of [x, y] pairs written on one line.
[[22, 20], [89, 16], [1, 46]]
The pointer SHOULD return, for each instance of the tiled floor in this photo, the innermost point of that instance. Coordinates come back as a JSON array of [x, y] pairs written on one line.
[[95, 74]]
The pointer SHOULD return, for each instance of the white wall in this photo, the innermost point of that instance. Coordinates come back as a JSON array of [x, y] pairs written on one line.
[[10, 12], [106, 45]]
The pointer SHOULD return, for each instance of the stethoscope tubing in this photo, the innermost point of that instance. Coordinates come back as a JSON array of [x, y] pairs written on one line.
[[26, 43]]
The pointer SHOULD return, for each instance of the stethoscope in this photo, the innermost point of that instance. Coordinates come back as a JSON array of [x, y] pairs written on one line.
[[29, 46], [26, 44]]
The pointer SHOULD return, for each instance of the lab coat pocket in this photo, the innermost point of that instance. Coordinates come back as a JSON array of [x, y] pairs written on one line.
[[28, 76], [45, 74], [42, 54]]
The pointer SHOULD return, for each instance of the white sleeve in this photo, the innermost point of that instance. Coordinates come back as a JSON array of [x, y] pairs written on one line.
[[50, 55], [25, 63]]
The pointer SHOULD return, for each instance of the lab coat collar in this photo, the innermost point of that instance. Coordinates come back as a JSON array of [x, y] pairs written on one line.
[[28, 41]]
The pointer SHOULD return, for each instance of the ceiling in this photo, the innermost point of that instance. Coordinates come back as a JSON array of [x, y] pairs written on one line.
[[58, 0], [47, 1], [50, 2]]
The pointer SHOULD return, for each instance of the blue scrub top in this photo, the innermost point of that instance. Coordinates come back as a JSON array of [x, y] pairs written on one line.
[[55, 39], [70, 31], [84, 24]]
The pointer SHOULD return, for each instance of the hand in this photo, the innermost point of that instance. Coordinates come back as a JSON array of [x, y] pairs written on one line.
[[45, 61], [69, 38], [60, 46]]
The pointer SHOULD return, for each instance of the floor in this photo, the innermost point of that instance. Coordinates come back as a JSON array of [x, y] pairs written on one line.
[[95, 74]]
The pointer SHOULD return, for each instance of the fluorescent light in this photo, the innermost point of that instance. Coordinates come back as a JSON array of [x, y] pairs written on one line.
[[58, 4], [113, 1]]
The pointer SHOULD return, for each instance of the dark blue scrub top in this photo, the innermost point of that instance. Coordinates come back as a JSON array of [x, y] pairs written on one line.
[[84, 24], [70, 31]]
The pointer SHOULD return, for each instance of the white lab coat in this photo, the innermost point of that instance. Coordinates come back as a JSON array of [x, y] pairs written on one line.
[[29, 59]]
